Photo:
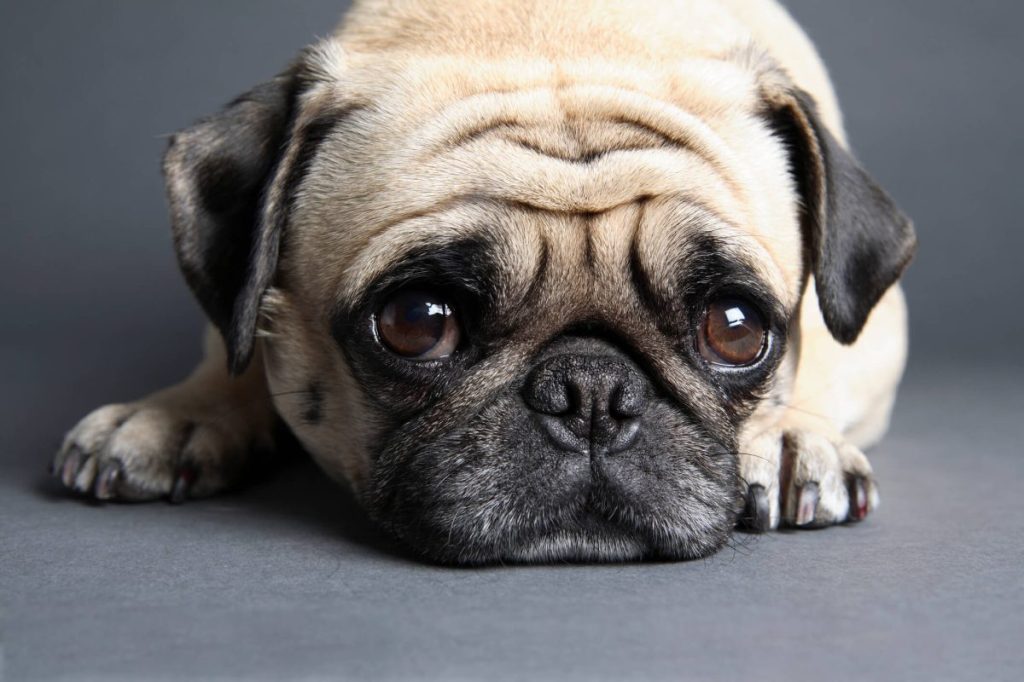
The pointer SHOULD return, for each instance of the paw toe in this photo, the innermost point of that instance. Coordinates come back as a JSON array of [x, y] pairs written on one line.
[[757, 515], [759, 466], [858, 494], [807, 497], [86, 474], [183, 483], [67, 464], [105, 485]]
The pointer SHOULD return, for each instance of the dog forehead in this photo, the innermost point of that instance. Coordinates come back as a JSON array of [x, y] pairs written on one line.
[[572, 139], [485, 28], [552, 134]]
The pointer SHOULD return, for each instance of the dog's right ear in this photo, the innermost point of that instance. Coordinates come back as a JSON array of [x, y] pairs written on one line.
[[219, 174], [857, 240]]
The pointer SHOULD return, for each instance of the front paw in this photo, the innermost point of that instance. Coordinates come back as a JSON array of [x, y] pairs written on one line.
[[802, 479], [145, 451]]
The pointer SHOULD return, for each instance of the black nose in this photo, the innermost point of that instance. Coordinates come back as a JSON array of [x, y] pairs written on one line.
[[588, 403]]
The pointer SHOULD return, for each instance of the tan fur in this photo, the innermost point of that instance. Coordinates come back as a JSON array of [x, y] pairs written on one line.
[[470, 112]]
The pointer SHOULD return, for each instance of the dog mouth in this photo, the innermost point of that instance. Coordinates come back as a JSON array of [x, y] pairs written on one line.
[[600, 532], [582, 509], [589, 536]]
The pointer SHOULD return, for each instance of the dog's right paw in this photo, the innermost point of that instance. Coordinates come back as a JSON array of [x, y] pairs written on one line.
[[802, 479], [149, 450]]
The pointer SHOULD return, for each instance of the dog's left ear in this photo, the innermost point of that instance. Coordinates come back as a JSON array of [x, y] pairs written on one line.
[[217, 173], [857, 241], [228, 181]]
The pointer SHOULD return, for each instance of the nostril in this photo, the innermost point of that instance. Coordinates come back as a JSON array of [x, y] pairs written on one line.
[[629, 400]]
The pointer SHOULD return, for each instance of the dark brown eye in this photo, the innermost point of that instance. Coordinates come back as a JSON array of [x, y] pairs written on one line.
[[733, 333], [418, 325]]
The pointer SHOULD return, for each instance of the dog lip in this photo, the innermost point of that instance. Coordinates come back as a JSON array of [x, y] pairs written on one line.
[[563, 438]]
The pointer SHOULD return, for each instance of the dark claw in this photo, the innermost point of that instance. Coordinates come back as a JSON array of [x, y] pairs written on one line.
[[69, 471], [186, 477], [757, 516], [858, 498], [106, 481], [807, 502]]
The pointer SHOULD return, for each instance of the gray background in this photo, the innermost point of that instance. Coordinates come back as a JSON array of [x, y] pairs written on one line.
[[288, 580]]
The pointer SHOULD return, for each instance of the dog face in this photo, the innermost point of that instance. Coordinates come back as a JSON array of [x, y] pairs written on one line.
[[529, 312]]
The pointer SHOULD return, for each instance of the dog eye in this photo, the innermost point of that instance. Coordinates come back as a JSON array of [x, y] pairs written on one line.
[[418, 325], [732, 334]]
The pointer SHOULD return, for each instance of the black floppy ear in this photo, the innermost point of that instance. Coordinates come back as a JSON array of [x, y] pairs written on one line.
[[217, 174], [856, 240]]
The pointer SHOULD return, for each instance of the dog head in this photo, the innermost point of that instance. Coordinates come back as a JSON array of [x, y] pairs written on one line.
[[527, 310]]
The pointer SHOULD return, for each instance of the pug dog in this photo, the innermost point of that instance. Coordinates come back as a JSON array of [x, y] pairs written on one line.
[[587, 280]]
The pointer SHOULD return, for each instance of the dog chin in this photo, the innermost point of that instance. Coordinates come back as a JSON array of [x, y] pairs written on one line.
[[589, 539], [605, 547], [581, 547]]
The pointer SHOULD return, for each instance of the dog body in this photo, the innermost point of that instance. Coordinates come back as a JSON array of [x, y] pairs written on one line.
[[572, 196]]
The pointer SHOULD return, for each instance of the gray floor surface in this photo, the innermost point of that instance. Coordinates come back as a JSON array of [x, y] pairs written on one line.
[[286, 580]]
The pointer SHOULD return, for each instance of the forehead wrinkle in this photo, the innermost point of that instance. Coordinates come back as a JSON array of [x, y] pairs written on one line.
[[502, 170], [470, 117], [616, 294], [389, 180]]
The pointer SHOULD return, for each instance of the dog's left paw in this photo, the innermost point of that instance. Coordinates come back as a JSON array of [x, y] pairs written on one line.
[[802, 479]]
